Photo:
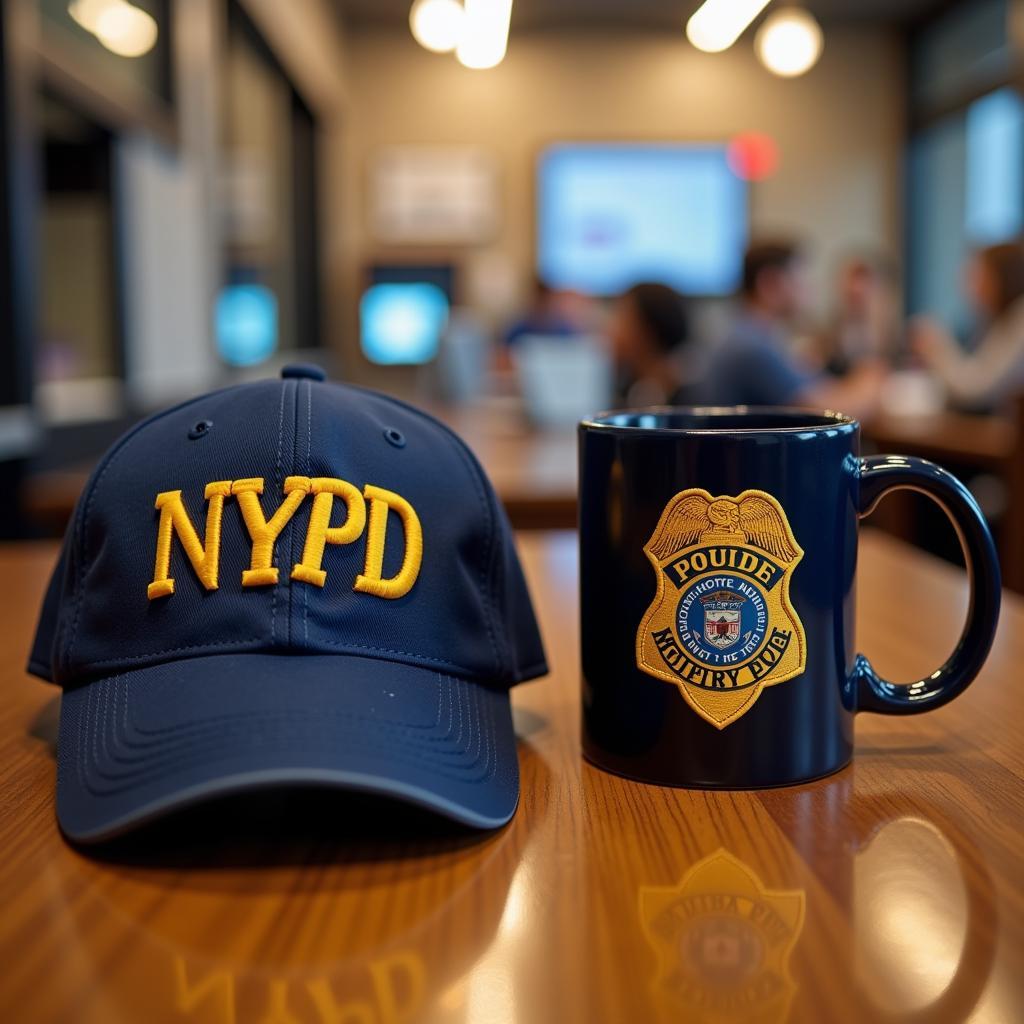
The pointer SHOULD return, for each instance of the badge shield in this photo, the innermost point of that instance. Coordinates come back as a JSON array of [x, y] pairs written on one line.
[[721, 626], [721, 619]]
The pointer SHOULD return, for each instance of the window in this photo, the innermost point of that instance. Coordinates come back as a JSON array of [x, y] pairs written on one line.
[[935, 218], [965, 166], [269, 198], [79, 363], [995, 168], [965, 177]]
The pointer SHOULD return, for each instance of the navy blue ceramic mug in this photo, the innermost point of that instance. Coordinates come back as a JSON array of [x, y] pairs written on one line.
[[718, 550]]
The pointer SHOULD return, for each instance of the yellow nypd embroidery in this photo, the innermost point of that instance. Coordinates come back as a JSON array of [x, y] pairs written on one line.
[[264, 532], [204, 555], [721, 626], [320, 533], [369, 581]]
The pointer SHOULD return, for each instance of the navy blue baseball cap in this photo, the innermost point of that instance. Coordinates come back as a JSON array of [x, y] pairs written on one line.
[[286, 582]]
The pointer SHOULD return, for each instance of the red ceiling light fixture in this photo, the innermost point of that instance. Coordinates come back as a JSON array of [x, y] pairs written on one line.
[[753, 156]]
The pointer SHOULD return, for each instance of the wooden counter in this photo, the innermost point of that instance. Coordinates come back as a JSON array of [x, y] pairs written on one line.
[[891, 891]]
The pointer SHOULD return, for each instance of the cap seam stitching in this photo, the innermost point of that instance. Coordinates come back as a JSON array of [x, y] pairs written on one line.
[[177, 650], [161, 742], [156, 736], [459, 671], [309, 462], [277, 484], [291, 523], [410, 756], [476, 774], [297, 461], [391, 650]]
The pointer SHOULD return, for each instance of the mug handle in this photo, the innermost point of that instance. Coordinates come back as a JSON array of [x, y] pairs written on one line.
[[880, 474]]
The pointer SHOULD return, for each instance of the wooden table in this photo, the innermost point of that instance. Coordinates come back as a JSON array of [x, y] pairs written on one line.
[[893, 887], [982, 441], [969, 447]]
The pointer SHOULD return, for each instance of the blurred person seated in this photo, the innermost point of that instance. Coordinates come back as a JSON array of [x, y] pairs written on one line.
[[754, 363], [989, 376], [549, 314], [649, 332], [865, 325]]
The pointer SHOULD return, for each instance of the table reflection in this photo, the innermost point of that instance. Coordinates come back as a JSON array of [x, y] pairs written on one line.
[[366, 938], [923, 941], [917, 909], [897, 913], [910, 915], [723, 941]]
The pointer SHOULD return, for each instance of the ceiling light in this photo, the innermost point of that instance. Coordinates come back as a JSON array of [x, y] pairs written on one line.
[[437, 24], [789, 42], [485, 33], [87, 12], [121, 27], [717, 24], [126, 30]]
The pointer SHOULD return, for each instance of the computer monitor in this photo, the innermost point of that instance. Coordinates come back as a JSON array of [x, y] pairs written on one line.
[[401, 323], [612, 214], [246, 324]]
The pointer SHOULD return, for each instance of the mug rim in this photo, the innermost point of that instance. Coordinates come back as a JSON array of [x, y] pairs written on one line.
[[805, 421]]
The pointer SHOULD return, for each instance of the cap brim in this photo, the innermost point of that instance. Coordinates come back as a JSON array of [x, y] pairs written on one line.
[[141, 744]]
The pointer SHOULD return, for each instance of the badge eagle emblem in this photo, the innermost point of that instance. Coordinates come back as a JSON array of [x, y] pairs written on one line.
[[721, 627]]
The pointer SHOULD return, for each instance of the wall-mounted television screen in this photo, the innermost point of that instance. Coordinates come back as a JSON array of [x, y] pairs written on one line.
[[612, 214]]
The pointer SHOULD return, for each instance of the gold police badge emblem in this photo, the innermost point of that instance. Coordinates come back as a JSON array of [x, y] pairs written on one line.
[[723, 942], [721, 627]]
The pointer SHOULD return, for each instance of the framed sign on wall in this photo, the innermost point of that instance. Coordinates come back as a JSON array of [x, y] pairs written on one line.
[[433, 195]]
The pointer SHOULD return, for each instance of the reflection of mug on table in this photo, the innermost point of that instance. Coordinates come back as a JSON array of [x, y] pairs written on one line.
[[723, 941], [900, 915]]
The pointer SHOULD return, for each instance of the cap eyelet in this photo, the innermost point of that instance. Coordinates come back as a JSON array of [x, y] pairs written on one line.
[[201, 429], [394, 437]]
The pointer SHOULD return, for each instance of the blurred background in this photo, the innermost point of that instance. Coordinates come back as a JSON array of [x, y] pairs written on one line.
[[516, 214]]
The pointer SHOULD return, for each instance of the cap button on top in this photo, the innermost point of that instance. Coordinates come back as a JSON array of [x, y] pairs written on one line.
[[305, 371]]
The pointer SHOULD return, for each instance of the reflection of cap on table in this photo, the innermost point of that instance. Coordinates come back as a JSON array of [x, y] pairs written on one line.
[[373, 938], [268, 646]]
